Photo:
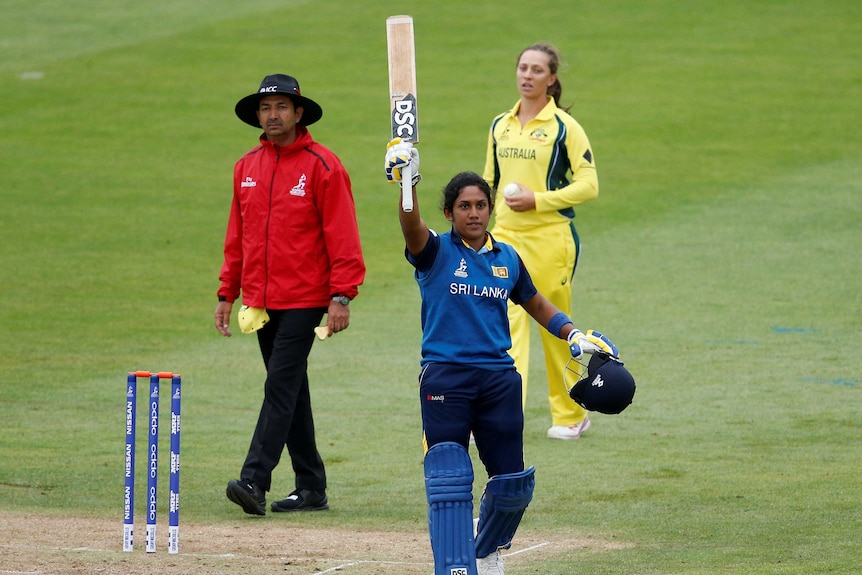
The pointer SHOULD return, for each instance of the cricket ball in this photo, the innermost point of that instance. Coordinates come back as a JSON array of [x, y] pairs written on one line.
[[511, 190]]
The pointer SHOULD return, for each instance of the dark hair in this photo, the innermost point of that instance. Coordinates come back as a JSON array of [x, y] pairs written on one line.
[[555, 90], [461, 181]]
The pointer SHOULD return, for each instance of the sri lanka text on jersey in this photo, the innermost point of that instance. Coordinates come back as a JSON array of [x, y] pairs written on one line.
[[478, 291]]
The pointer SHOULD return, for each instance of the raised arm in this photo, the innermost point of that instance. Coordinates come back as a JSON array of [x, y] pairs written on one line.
[[398, 155]]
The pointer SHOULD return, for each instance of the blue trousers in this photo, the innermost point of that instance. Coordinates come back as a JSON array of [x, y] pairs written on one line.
[[285, 417], [457, 399]]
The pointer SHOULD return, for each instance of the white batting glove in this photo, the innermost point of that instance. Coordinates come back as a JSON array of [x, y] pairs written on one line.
[[399, 155], [591, 342]]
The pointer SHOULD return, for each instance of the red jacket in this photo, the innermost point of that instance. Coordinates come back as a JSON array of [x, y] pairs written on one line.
[[292, 239]]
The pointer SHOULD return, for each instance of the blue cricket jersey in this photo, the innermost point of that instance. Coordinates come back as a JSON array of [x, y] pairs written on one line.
[[464, 300]]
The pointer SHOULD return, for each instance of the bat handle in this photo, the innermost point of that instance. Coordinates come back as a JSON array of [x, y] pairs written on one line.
[[406, 189]]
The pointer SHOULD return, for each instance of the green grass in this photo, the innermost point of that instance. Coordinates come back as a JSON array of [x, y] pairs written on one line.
[[722, 256]]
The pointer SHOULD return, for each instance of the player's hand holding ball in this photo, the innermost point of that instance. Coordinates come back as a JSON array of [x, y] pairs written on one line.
[[511, 190], [591, 342], [519, 198], [399, 155]]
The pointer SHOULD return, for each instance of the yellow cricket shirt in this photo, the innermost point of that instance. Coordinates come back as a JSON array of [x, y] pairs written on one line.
[[551, 155]]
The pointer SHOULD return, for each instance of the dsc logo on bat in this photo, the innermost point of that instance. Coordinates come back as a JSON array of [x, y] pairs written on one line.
[[404, 119]]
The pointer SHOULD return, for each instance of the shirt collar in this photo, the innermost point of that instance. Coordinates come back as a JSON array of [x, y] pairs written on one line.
[[301, 141], [490, 242], [545, 114]]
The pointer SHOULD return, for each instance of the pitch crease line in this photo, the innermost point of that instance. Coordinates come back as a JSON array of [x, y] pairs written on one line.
[[364, 562], [534, 547]]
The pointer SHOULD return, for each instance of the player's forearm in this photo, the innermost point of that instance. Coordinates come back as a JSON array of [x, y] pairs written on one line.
[[543, 311], [415, 230]]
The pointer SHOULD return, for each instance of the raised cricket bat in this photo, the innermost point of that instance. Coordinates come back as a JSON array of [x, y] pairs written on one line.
[[402, 93]]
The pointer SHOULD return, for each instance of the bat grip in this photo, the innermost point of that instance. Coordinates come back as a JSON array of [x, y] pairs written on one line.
[[407, 189]]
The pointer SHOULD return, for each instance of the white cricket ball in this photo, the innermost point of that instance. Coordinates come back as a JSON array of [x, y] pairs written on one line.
[[511, 190]]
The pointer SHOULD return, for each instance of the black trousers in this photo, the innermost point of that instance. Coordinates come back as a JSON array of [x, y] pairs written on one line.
[[285, 417]]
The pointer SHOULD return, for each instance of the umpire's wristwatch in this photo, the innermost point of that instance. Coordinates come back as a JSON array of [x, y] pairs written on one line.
[[342, 299]]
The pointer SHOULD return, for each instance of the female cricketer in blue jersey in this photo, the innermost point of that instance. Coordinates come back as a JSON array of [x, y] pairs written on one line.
[[468, 381]]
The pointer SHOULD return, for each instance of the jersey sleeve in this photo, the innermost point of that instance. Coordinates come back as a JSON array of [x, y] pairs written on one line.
[[425, 259], [231, 270], [524, 289], [341, 232], [491, 173], [585, 183]]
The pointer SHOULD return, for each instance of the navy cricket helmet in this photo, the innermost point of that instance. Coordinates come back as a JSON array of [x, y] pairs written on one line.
[[606, 386]]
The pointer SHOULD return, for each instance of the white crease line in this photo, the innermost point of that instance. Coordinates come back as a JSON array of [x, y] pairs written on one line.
[[354, 563], [339, 567], [364, 562], [527, 549]]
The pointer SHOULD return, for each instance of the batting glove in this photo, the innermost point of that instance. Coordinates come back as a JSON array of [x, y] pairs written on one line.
[[603, 344], [591, 342], [399, 155]]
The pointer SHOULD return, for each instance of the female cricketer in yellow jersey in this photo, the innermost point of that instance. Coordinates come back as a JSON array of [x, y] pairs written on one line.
[[543, 150]]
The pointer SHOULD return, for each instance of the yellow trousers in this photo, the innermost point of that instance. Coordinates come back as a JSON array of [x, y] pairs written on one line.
[[550, 255]]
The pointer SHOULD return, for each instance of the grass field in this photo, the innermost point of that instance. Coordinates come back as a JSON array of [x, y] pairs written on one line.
[[723, 256]]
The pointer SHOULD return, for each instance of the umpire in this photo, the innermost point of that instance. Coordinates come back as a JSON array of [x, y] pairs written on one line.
[[292, 252]]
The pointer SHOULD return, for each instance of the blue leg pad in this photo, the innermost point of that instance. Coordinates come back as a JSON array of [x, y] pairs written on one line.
[[503, 503], [449, 487]]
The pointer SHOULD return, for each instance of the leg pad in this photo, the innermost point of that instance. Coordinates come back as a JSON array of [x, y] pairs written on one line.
[[449, 488], [503, 503]]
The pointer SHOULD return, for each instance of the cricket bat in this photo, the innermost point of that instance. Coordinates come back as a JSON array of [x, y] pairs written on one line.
[[402, 93]]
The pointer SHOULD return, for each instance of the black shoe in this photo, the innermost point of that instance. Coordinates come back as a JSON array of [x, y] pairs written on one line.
[[302, 500], [247, 495]]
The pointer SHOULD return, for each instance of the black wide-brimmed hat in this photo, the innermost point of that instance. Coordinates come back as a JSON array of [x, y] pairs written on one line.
[[273, 85]]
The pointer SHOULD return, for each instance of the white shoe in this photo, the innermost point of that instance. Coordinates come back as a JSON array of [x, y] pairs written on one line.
[[490, 565], [570, 431]]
